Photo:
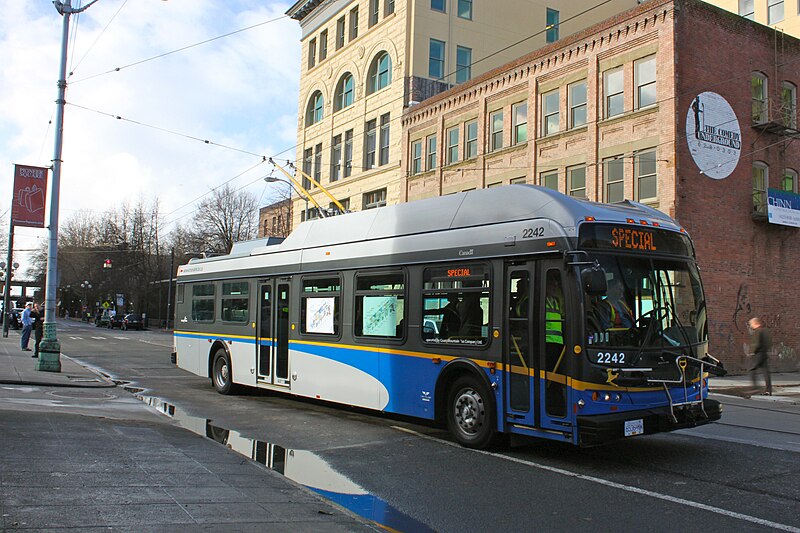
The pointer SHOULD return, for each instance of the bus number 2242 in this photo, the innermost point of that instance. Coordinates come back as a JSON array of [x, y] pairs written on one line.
[[529, 233]]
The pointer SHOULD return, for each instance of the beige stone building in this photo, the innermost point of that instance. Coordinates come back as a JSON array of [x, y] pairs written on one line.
[[365, 61], [782, 15]]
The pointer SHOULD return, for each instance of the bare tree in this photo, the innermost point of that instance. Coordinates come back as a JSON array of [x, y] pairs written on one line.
[[228, 216]]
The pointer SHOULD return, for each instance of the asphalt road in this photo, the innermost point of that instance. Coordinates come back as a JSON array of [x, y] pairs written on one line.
[[738, 475]]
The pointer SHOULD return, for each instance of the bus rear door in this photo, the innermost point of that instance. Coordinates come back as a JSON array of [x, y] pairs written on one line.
[[272, 335]]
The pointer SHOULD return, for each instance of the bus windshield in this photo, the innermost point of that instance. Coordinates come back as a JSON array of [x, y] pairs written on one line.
[[650, 303]]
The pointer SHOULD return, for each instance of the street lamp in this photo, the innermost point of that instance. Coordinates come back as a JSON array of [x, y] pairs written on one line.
[[273, 179], [7, 274], [85, 285], [50, 349]]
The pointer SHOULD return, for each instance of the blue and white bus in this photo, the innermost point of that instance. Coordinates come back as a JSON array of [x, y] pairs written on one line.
[[513, 310]]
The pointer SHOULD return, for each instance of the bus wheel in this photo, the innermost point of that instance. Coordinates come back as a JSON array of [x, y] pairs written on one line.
[[221, 374], [470, 415]]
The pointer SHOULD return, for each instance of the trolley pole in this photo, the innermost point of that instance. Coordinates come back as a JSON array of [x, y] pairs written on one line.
[[50, 349]]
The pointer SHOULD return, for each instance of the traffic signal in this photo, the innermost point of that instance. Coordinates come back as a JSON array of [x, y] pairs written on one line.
[[107, 263]]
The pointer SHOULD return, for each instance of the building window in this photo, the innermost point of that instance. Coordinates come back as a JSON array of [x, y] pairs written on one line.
[[789, 105], [318, 162], [430, 142], [374, 199], [354, 23], [646, 177], [613, 180], [452, 145], [380, 73], [774, 11], [436, 59], [383, 154], [344, 93], [388, 8], [471, 140], [550, 102], [789, 181], [463, 64], [340, 25], [465, 9], [519, 116], [552, 25], [496, 131], [323, 45], [314, 110], [312, 53], [758, 83], [308, 157], [645, 74], [370, 144], [760, 181], [348, 153], [613, 86], [577, 104], [416, 157], [747, 9], [374, 10], [336, 158], [549, 179], [438, 5], [576, 181]]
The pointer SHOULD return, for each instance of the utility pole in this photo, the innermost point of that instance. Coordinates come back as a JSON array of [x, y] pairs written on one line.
[[8, 269], [50, 349]]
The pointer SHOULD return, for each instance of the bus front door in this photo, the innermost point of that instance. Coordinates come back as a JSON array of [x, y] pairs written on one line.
[[272, 335], [520, 363], [553, 334]]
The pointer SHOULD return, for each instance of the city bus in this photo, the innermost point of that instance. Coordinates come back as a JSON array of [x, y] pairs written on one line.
[[511, 310]]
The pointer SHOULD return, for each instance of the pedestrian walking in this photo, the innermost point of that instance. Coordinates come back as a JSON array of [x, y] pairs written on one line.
[[760, 345], [38, 327], [27, 326]]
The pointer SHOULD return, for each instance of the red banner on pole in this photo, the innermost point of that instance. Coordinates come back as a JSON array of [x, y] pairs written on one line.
[[30, 190]]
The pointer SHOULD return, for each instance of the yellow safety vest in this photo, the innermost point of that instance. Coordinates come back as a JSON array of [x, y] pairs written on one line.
[[553, 323]]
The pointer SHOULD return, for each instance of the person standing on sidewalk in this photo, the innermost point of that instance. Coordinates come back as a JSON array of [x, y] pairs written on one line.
[[38, 327], [27, 325], [760, 345]]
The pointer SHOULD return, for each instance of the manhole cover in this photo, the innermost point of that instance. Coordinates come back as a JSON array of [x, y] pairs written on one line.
[[82, 394]]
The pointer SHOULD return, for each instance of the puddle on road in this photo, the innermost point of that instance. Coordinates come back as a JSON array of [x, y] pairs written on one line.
[[301, 466]]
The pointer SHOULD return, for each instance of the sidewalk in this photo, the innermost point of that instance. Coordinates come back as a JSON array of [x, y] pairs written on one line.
[[94, 458], [785, 387]]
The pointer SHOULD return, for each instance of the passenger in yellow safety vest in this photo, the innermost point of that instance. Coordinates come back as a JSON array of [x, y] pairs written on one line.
[[554, 325]]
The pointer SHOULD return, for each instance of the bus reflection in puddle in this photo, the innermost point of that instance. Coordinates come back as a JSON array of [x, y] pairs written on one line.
[[301, 466]]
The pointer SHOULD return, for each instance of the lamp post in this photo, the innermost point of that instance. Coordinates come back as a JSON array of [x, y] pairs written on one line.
[[272, 179], [50, 349], [85, 285], [8, 273]]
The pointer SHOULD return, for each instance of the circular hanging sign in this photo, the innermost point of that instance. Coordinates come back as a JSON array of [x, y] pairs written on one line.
[[713, 135]]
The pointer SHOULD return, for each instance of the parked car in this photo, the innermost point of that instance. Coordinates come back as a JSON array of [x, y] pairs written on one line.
[[133, 321], [116, 321], [15, 318]]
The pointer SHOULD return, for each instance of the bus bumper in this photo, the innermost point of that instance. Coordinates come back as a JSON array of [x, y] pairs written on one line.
[[598, 429]]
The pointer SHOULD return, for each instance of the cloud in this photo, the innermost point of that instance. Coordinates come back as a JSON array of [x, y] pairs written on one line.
[[238, 91]]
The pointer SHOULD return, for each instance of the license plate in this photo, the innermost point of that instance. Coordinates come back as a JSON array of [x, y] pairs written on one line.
[[634, 427]]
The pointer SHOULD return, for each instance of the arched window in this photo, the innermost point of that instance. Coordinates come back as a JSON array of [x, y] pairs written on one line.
[[380, 73], [344, 92], [789, 180], [314, 109], [760, 184]]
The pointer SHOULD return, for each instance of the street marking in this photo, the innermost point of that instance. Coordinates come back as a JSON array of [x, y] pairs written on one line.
[[77, 338], [99, 338], [122, 338], [614, 484]]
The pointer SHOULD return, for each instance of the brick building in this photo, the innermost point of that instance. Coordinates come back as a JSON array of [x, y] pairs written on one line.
[[274, 220], [676, 104]]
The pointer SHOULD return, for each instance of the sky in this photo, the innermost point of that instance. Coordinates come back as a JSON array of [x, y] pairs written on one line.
[[239, 91]]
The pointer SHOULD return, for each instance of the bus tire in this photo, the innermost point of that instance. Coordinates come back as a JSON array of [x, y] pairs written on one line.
[[470, 413], [221, 375]]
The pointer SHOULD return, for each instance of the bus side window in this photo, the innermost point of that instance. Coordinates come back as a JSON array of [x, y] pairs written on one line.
[[203, 302]]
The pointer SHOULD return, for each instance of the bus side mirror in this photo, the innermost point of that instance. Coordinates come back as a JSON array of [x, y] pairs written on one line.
[[594, 281]]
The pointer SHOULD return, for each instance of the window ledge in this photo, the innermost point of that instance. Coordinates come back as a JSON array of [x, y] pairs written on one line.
[[628, 115]]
